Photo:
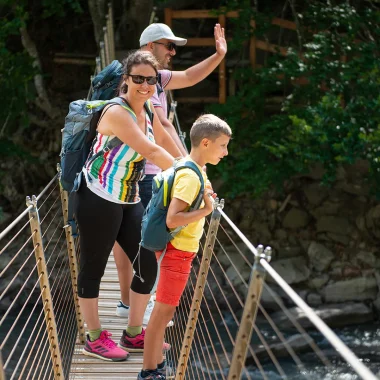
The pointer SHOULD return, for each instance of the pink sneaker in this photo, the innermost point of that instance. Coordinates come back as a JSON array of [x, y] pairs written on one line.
[[136, 344], [104, 348]]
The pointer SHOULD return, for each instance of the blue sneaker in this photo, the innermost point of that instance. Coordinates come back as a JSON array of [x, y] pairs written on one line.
[[166, 371], [151, 375]]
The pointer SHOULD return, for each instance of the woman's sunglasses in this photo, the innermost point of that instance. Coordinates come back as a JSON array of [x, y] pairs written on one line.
[[170, 45], [139, 79]]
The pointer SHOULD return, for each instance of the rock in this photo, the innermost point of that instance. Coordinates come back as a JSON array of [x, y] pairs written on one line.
[[285, 252], [280, 234], [339, 238], [335, 315], [367, 258], [295, 218], [318, 282], [230, 254], [333, 224], [299, 343], [293, 270], [235, 275], [315, 193], [272, 204], [350, 271], [314, 299], [261, 230], [327, 208], [356, 289], [267, 300], [320, 257], [247, 218], [376, 305], [353, 188]]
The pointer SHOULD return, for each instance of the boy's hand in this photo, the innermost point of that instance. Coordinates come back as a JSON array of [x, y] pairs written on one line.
[[208, 197]]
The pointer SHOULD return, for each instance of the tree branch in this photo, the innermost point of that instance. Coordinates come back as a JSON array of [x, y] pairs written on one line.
[[43, 99]]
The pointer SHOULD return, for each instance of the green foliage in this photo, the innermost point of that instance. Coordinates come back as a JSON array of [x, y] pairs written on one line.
[[17, 68], [332, 119]]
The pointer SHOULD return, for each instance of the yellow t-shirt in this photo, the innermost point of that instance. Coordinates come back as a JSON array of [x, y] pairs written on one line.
[[186, 187]]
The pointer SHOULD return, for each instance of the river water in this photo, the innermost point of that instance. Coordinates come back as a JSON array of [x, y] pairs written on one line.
[[363, 340]]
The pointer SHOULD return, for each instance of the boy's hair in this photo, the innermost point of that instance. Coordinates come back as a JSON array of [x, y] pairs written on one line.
[[210, 127]]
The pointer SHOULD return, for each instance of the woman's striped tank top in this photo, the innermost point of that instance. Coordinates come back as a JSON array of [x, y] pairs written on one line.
[[119, 170]]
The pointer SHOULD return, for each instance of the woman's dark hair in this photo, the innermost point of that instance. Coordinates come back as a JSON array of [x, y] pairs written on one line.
[[138, 57]]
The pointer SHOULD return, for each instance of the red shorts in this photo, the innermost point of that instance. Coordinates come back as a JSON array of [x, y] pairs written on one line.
[[174, 272]]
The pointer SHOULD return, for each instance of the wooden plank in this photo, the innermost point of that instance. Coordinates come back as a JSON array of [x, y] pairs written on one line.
[[263, 45], [201, 41], [193, 13], [198, 100], [168, 17], [286, 24]]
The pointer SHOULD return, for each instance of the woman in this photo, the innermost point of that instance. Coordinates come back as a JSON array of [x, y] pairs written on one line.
[[108, 203]]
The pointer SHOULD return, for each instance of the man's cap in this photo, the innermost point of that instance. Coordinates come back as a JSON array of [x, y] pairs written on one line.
[[155, 32]]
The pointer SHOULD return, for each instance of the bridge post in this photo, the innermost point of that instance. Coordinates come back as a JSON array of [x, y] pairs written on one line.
[[47, 301], [73, 266], [198, 292], [2, 373], [248, 318]]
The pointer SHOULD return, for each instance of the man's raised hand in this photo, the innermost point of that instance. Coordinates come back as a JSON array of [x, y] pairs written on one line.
[[220, 40]]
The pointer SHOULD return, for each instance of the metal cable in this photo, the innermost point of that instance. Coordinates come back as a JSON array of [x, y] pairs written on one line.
[[244, 257], [17, 318], [27, 344], [238, 232], [270, 352], [292, 353], [46, 187], [300, 329], [15, 256], [51, 207], [196, 331], [47, 228], [18, 295], [344, 351], [25, 212], [41, 340], [15, 236]]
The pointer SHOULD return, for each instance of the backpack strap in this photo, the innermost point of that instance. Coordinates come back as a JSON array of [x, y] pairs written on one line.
[[191, 165], [116, 141]]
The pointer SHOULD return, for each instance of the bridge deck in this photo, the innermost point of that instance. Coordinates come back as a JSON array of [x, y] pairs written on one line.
[[86, 367]]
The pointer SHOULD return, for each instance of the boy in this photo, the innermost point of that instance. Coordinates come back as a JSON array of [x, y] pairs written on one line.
[[209, 138]]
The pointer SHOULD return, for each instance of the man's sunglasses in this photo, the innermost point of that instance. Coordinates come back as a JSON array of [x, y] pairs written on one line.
[[170, 45], [139, 79]]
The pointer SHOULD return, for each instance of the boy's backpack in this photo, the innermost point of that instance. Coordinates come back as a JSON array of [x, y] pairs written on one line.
[[78, 135], [105, 84], [154, 233]]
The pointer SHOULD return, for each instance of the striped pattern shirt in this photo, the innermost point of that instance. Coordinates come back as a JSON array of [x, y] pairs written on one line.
[[118, 171]]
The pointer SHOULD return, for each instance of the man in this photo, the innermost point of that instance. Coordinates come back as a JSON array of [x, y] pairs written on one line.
[[162, 43]]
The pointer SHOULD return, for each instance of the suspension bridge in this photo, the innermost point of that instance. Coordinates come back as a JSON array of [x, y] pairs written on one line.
[[44, 337]]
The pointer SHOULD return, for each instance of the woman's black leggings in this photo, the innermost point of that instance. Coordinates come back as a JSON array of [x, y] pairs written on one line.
[[101, 223]]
